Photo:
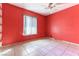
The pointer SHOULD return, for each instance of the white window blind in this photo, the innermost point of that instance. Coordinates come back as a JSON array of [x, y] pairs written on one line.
[[30, 25]]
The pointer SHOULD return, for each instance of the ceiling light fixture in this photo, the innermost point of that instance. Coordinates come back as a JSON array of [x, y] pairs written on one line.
[[51, 6]]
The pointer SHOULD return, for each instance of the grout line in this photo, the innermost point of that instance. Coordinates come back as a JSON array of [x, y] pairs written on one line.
[[14, 51], [55, 46], [25, 50], [65, 50]]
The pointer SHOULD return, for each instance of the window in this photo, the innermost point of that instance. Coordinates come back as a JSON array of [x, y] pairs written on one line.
[[30, 25]]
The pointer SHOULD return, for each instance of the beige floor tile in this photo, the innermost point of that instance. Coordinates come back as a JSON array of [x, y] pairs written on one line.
[[43, 47]]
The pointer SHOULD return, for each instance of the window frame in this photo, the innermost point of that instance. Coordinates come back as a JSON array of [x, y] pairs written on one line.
[[31, 29]]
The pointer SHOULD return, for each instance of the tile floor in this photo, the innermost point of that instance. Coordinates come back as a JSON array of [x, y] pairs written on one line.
[[42, 47]]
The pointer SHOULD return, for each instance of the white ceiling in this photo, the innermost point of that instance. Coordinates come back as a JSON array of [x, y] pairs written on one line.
[[42, 8]]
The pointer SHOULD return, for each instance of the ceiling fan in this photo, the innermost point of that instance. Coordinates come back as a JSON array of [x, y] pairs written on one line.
[[52, 5]]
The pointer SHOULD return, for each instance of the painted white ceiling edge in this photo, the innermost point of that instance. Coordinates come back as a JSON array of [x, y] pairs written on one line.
[[40, 8]]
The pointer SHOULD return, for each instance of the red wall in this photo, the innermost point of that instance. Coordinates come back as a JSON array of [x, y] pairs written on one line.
[[64, 25], [13, 24]]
